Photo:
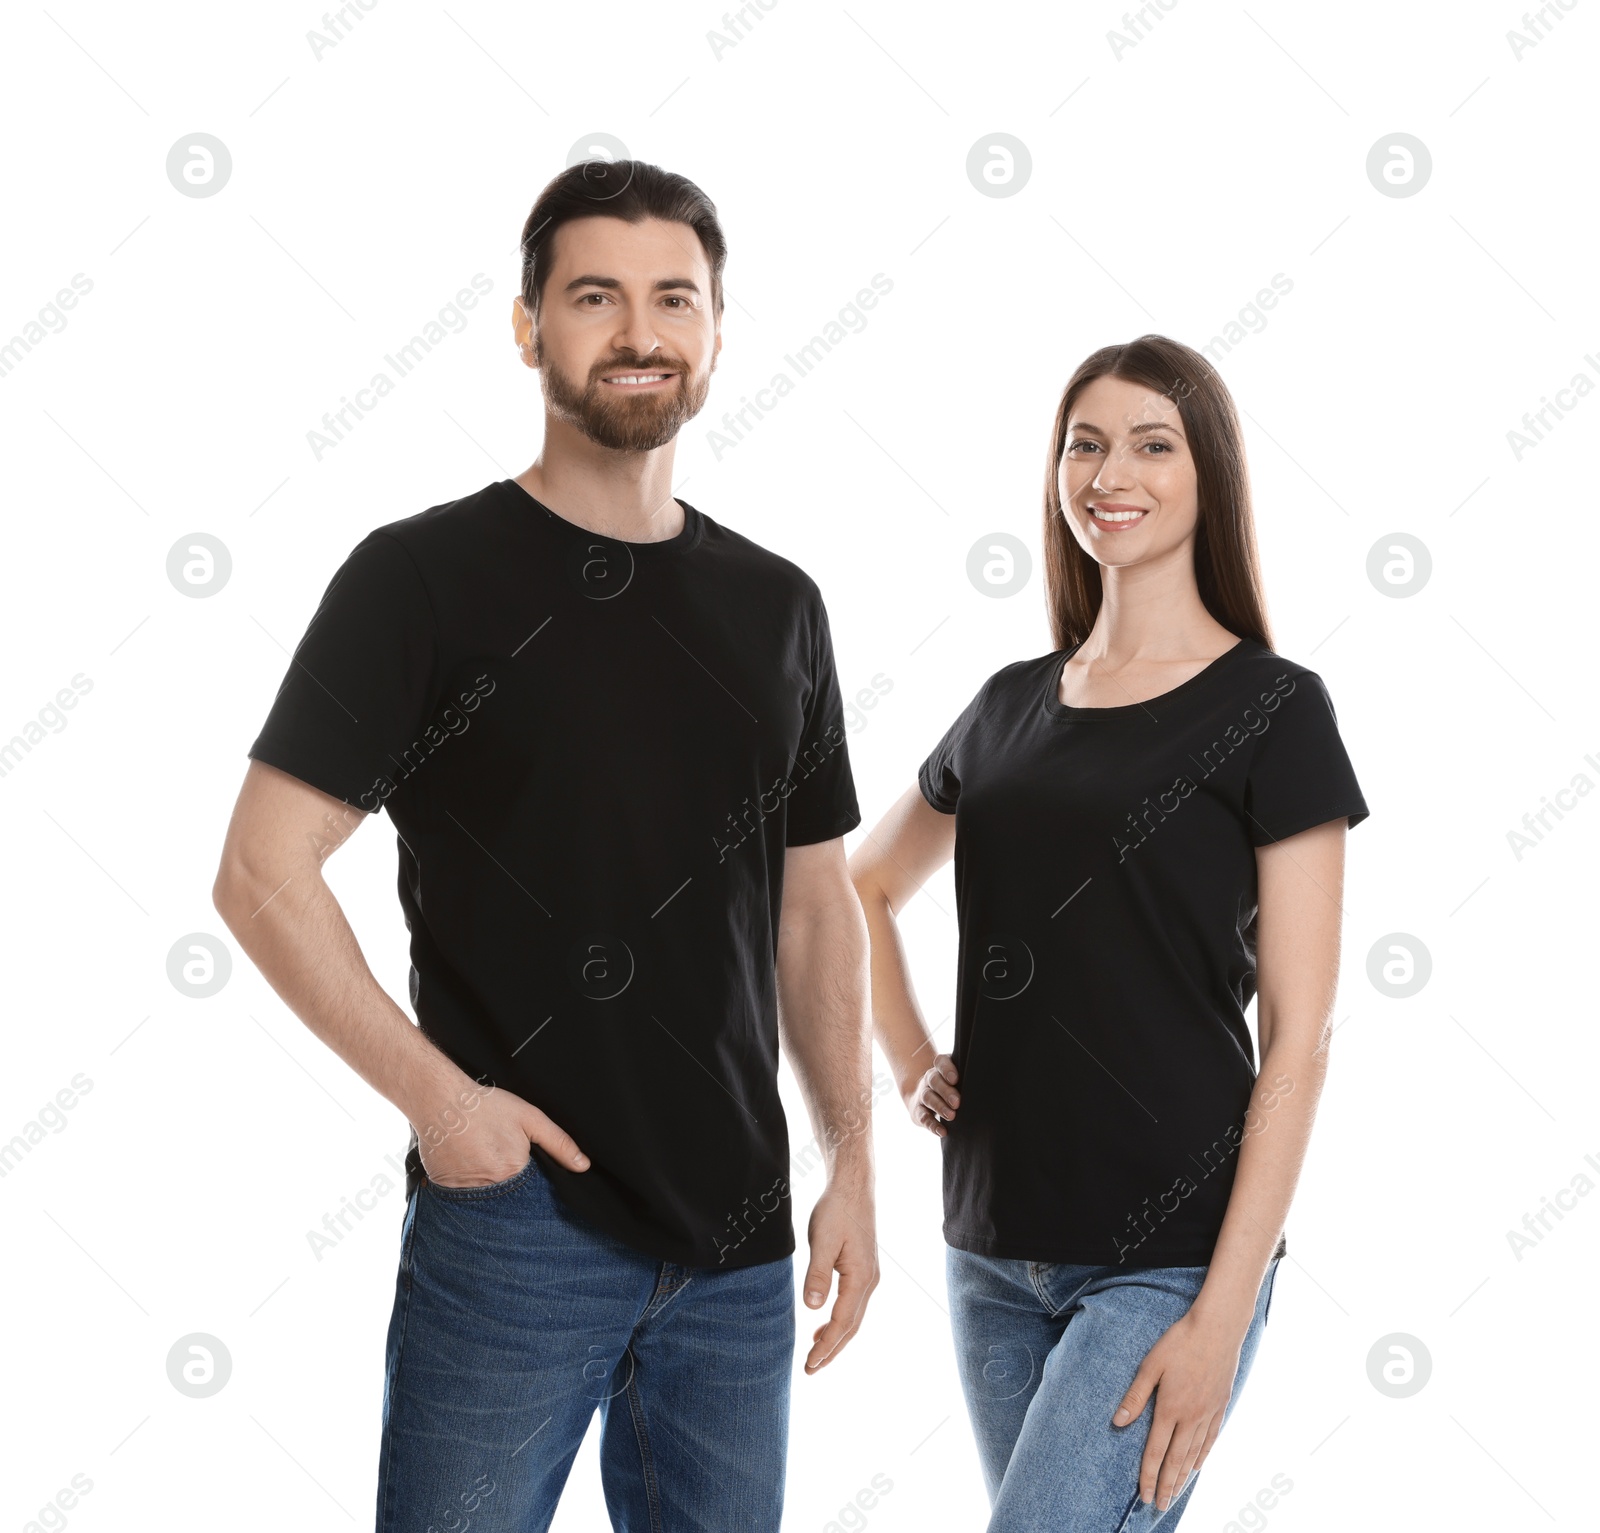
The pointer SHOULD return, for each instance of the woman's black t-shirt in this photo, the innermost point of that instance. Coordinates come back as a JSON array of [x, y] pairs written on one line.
[[1106, 895]]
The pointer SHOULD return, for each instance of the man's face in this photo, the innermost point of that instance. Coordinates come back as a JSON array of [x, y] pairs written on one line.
[[625, 340]]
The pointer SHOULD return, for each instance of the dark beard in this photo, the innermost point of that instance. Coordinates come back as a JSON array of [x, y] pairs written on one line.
[[639, 424]]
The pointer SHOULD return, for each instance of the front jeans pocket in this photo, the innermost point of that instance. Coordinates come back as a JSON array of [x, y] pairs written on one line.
[[488, 1190]]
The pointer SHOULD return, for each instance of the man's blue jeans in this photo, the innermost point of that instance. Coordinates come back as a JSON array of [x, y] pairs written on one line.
[[1045, 1351], [514, 1322]]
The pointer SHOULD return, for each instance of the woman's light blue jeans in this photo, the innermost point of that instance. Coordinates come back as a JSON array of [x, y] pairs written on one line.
[[514, 1322], [1045, 1352]]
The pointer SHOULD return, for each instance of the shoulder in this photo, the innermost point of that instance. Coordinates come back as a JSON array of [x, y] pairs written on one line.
[[1022, 675], [421, 556], [1019, 682], [446, 526], [770, 572], [1279, 697], [1273, 676]]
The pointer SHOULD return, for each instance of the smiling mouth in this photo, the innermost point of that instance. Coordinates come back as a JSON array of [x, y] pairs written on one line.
[[638, 380], [1118, 516]]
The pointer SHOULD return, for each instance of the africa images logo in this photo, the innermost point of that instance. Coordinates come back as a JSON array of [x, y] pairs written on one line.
[[745, 821], [1142, 823]]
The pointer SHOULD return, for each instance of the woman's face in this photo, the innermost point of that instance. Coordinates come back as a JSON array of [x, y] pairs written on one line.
[[1127, 478]]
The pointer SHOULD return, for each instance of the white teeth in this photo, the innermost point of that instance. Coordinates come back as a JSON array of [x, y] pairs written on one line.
[[641, 378], [1115, 516]]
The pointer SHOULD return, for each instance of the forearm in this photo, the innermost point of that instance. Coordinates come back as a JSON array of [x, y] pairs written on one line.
[[296, 934], [1277, 1130], [826, 1033], [897, 1021]]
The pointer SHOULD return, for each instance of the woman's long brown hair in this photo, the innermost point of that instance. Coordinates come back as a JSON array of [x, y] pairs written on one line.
[[1226, 565]]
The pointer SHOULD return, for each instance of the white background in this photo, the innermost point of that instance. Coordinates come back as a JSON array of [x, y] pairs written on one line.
[[1168, 185]]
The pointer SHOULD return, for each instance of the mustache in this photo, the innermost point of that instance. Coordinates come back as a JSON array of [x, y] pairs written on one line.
[[653, 364]]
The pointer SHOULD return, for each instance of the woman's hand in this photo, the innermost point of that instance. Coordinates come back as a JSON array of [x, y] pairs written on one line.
[[1191, 1371], [933, 1098]]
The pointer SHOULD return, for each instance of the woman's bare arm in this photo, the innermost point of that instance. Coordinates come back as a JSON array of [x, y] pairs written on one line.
[[1300, 889], [1191, 1369], [897, 857]]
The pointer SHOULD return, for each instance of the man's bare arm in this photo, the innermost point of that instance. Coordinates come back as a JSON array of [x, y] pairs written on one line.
[[270, 892], [826, 1033]]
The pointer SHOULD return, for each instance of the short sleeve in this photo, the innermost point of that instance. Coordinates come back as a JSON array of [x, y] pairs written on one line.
[[356, 693], [939, 776], [822, 799], [1300, 774]]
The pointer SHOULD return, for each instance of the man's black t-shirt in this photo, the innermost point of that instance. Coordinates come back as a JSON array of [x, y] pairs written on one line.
[[1106, 891], [594, 753]]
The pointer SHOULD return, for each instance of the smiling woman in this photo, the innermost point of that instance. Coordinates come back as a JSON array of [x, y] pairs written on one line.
[[1113, 1204]]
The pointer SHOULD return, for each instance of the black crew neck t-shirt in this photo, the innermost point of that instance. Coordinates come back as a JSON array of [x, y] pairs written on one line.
[[1106, 897], [593, 753]]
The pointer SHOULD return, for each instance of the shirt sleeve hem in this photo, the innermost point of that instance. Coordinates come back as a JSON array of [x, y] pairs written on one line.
[[309, 773], [1292, 824], [929, 795], [838, 826]]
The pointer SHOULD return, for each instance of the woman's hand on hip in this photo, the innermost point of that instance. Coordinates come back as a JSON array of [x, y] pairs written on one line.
[[933, 1099]]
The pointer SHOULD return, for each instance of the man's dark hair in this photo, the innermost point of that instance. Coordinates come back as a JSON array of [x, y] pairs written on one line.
[[633, 190]]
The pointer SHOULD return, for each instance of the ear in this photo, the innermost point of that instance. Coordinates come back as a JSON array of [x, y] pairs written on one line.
[[522, 327]]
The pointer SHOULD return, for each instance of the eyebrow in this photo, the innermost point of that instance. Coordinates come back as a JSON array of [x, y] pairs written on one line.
[[662, 284], [1141, 426]]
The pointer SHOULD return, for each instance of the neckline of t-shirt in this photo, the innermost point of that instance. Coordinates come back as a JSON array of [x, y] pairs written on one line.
[[1058, 709], [687, 537]]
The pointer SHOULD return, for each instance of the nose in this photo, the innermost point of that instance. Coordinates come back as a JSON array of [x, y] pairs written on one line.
[[635, 333], [1112, 475]]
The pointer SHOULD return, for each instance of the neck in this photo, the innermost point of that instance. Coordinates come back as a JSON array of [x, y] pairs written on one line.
[[1153, 611], [626, 495]]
